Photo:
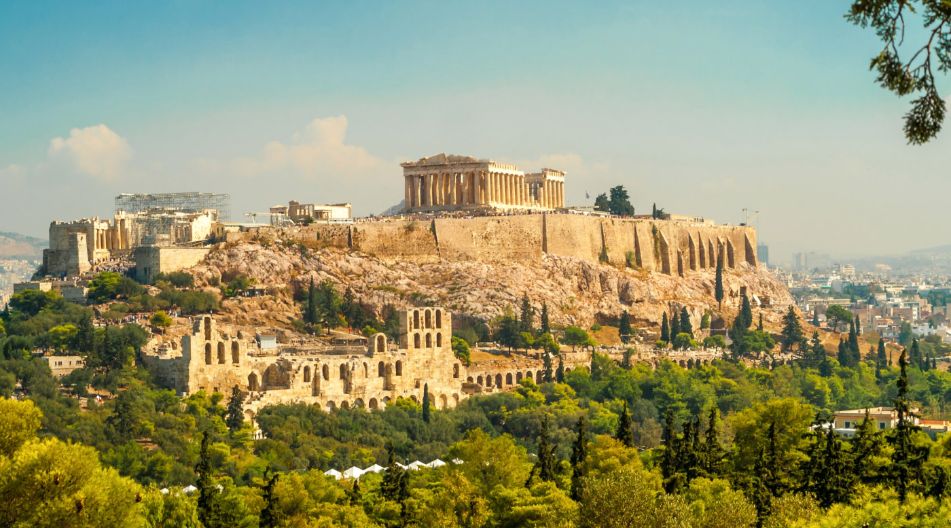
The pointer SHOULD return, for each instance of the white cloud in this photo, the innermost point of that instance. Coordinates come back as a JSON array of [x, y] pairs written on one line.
[[318, 150], [96, 151]]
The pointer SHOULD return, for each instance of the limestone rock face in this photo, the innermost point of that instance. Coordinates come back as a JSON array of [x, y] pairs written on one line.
[[576, 291]]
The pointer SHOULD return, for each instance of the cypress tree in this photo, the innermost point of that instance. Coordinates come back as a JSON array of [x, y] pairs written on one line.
[[854, 342], [545, 323], [915, 353], [395, 484], [626, 359], [686, 326], [759, 492], [527, 319], [560, 372], [844, 355], [665, 329], [270, 513], [625, 432], [740, 345], [866, 446], [746, 311], [546, 452], [817, 351], [86, 335], [668, 461], [881, 359], [549, 374], [579, 454], [815, 318], [858, 326], [624, 327], [834, 483], [675, 326], [713, 452], [235, 415], [356, 495], [207, 506], [907, 458], [774, 480], [718, 283], [792, 330], [759, 326], [426, 410], [310, 314]]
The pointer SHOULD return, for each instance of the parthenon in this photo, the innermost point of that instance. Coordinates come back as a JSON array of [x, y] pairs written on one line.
[[449, 182]]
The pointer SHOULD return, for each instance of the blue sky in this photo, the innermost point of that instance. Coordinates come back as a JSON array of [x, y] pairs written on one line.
[[702, 107]]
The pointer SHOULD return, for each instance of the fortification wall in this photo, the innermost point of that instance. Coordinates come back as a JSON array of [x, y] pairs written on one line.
[[491, 239], [151, 260], [664, 246]]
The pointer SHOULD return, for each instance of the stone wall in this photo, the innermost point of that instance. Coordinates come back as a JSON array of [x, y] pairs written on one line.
[[671, 247], [152, 260]]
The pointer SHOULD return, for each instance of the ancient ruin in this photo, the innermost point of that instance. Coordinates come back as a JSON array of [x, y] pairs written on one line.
[[449, 182], [368, 372]]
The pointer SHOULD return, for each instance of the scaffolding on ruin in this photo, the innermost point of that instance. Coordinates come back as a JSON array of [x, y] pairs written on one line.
[[189, 202]]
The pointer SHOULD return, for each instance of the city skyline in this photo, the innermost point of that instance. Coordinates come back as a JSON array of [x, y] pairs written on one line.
[[703, 110]]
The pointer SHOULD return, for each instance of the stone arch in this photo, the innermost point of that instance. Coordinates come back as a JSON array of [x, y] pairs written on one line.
[[498, 380], [307, 374], [343, 371], [438, 318], [344, 404], [518, 377], [331, 406], [567, 370], [315, 389], [275, 377], [469, 379], [381, 369], [455, 370], [380, 343], [386, 400], [529, 375], [254, 384], [416, 319], [438, 339], [399, 368], [235, 355], [443, 401], [428, 317], [479, 380], [414, 398], [416, 341], [207, 353], [508, 378], [374, 405], [207, 328], [429, 340], [326, 372], [358, 403], [366, 370], [682, 363], [221, 353]]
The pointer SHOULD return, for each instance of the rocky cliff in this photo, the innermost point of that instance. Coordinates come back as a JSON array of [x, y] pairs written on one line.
[[576, 290]]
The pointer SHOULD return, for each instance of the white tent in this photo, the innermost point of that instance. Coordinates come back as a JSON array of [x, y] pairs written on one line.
[[375, 468], [333, 473], [352, 473], [190, 489], [416, 464], [456, 461], [436, 463]]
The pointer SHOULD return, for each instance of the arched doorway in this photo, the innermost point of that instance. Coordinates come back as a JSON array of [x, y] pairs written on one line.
[[253, 383]]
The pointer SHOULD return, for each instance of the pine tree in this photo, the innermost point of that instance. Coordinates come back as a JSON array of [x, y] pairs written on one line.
[[774, 479], [356, 494], [907, 458], [527, 319], [675, 326], [686, 327], [545, 323], [832, 480], [858, 326], [395, 484], [235, 416], [426, 403], [668, 461], [625, 432], [718, 283], [746, 311], [817, 351], [760, 495], [740, 345], [624, 327], [86, 335], [560, 372], [579, 455], [792, 330], [915, 353], [626, 363], [269, 517], [665, 329]]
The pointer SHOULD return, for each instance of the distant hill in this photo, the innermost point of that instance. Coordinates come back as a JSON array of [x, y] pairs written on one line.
[[15, 245]]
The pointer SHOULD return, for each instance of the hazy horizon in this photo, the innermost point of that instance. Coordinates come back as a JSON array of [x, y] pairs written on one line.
[[704, 109]]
